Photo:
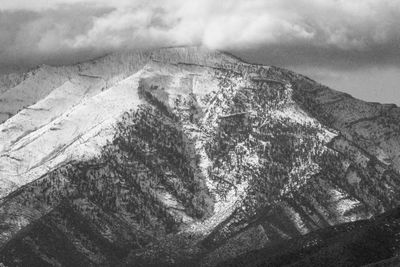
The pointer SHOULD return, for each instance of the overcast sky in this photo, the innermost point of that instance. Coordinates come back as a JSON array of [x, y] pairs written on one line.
[[350, 45]]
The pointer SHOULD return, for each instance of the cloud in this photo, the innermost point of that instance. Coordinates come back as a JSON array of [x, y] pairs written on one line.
[[296, 31]]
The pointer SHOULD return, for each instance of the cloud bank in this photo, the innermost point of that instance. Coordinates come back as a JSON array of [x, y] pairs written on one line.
[[288, 32]]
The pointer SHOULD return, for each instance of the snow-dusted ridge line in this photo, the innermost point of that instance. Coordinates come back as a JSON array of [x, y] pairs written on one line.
[[81, 121]]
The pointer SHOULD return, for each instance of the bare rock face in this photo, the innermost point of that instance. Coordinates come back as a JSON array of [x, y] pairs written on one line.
[[183, 156]]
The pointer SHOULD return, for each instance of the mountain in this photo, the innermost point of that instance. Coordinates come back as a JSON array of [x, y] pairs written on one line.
[[181, 156]]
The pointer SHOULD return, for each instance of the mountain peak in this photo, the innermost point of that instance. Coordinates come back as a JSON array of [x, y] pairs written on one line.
[[198, 55]]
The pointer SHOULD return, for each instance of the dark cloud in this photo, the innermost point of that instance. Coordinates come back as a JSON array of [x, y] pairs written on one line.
[[29, 38], [281, 31], [334, 57]]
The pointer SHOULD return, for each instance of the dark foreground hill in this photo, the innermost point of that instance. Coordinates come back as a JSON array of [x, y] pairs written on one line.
[[375, 242]]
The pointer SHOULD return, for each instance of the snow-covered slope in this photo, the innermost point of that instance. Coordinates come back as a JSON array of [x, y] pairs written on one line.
[[183, 154]]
